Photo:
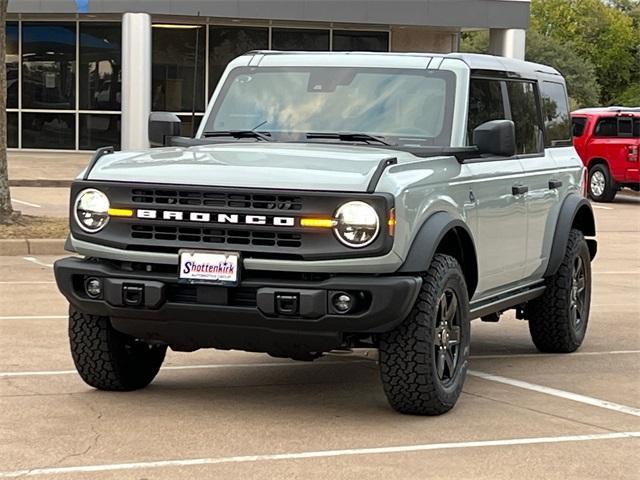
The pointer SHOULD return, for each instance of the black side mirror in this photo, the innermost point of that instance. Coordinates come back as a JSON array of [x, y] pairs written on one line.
[[163, 126], [497, 137]]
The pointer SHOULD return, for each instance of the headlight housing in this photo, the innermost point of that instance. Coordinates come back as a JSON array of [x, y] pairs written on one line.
[[91, 210], [356, 224]]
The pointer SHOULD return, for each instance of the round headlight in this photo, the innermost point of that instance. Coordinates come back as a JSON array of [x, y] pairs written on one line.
[[91, 210], [356, 224]]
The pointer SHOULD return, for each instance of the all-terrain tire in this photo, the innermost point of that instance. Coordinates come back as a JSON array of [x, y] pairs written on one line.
[[110, 360], [609, 187], [552, 324], [409, 354]]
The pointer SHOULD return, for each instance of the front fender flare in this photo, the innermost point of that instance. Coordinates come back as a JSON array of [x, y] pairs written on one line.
[[429, 237]]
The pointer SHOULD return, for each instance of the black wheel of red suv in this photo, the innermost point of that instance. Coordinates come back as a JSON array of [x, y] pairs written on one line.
[[110, 360], [602, 188], [423, 361], [558, 319]]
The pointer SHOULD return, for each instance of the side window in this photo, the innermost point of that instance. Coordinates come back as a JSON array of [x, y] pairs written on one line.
[[625, 127], [524, 113], [606, 127], [555, 110], [636, 127], [578, 124], [485, 104]]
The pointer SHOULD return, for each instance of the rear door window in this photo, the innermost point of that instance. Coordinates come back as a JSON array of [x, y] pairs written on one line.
[[555, 110], [524, 113], [606, 127], [578, 124], [485, 104]]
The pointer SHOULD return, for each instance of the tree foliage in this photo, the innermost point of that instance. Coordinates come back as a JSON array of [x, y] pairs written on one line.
[[579, 73], [595, 44], [603, 33]]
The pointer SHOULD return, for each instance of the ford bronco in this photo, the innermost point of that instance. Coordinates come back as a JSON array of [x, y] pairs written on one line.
[[332, 201]]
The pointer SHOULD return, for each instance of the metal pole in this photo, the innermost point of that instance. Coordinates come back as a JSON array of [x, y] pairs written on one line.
[[136, 80]]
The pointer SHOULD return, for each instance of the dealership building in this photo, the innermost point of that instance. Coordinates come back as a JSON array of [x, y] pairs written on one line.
[[82, 74]]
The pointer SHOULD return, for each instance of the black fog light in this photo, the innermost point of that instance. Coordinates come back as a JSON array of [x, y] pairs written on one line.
[[93, 287], [342, 302]]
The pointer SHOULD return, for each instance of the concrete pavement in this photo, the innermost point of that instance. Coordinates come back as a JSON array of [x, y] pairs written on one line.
[[216, 414]]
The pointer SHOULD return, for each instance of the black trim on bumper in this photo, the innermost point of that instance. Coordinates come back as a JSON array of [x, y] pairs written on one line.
[[188, 317]]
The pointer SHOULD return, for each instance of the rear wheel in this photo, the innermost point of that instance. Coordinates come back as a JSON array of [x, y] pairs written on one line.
[[423, 361], [602, 188], [110, 360], [558, 319]]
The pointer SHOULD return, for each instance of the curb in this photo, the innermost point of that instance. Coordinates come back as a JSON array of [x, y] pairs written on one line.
[[40, 182], [32, 246]]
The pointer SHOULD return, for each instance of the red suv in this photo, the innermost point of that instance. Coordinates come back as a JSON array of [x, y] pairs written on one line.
[[608, 141]]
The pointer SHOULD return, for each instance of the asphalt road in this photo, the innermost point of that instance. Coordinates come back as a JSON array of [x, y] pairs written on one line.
[[215, 414]]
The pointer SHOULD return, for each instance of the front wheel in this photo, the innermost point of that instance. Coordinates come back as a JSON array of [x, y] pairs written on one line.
[[110, 360], [423, 361], [558, 319]]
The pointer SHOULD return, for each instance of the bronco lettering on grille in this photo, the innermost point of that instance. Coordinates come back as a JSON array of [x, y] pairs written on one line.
[[205, 217]]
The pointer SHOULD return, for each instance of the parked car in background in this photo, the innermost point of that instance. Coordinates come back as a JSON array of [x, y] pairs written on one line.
[[608, 141]]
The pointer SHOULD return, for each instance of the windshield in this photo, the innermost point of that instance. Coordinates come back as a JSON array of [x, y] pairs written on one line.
[[404, 106]]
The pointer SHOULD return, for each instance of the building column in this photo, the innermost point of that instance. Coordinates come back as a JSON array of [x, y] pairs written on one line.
[[136, 80], [507, 42]]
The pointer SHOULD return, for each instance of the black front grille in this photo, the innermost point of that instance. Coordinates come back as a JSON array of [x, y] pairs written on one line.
[[216, 199], [235, 297], [223, 236]]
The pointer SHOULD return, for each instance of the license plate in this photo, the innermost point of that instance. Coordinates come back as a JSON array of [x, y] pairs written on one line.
[[213, 267]]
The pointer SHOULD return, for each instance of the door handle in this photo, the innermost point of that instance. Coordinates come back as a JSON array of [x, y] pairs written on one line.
[[553, 184], [519, 189]]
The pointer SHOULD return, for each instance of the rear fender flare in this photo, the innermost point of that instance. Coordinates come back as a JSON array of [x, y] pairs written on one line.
[[575, 212]]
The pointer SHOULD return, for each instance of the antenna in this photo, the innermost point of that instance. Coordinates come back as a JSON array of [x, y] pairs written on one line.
[[195, 82]]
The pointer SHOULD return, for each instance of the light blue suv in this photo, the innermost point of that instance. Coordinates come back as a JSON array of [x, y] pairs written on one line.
[[332, 201]]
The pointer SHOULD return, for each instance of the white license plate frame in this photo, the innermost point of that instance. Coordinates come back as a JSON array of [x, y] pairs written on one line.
[[203, 267]]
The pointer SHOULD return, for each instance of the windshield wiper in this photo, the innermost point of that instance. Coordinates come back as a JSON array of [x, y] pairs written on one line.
[[349, 137], [239, 134]]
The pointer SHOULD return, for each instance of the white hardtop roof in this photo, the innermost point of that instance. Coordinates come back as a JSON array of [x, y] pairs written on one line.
[[396, 60]]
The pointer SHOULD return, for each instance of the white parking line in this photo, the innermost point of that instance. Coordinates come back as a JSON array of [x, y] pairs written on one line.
[[601, 207], [110, 467], [561, 355], [214, 366], [28, 204], [37, 373], [37, 262], [34, 317], [596, 402]]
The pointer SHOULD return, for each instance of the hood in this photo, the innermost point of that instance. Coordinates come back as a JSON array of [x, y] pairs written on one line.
[[251, 165]]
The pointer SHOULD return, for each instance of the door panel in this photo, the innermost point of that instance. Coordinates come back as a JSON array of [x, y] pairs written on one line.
[[501, 227]]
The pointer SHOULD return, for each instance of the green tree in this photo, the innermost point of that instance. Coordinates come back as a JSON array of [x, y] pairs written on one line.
[[578, 72], [598, 31], [6, 211]]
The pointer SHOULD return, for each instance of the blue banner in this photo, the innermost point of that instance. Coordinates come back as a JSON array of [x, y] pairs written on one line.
[[83, 6]]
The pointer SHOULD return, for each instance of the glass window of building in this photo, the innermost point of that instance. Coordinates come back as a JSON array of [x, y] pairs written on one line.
[[48, 65], [174, 66], [187, 128], [12, 129], [100, 69], [49, 130], [12, 64], [359, 41], [99, 131], [227, 43], [299, 39]]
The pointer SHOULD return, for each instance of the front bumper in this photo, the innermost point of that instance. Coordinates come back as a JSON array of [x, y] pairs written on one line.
[[188, 316]]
